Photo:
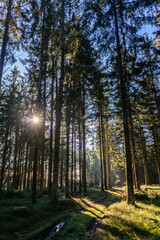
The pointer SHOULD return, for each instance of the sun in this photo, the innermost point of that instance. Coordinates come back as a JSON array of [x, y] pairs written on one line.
[[35, 119]]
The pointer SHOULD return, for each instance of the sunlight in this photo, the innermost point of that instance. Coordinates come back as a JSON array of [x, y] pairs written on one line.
[[35, 119]]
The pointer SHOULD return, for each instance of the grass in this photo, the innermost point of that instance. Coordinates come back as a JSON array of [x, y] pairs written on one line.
[[23, 224], [141, 221], [116, 220]]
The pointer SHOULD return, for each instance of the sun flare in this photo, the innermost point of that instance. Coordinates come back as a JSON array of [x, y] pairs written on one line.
[[35, 119]]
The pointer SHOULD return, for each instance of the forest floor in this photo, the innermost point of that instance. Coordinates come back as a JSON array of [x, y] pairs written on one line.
[[95, 215]]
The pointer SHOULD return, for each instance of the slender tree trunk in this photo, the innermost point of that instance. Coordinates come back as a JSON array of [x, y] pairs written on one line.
[[29, 167], [44, 114], [100, 153], [19, 162], [72, 156], [5, 39], [15, 160], [133, 149], [9, 159], [61, 176], [144, 157], [4, 157], [129, 177], [58, 114], [157, 152], [34, 182], [67, 152], [75, 175], [25, 169], [104, 153], [84, 184], [38, 109], [108, 161], [80, 157], [51, 130]]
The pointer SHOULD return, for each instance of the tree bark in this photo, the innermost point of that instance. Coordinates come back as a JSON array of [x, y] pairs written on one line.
[[104, 153], [84, 184], [25, 169], [75, 167], [58, 114], [144, 157], [157, 152], [80, 157], [51, 131], [100, 153], [4, 156], [129, 177], [108, 161], [67, 152], [72, 156]]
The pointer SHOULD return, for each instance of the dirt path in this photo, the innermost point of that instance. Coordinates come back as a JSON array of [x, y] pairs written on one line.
[[97, 208], [96, 232]]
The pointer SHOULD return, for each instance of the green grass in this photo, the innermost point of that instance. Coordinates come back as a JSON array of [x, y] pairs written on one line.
[[141, 221], [23, 224], [116, 220]]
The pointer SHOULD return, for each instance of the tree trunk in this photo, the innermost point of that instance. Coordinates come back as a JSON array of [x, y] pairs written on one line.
[[157, 152], [4, 156], [84, 184], [61, 176], [58, 114], [29, 167], [144, 157], [129, 177], [15, 160], [100, 153], [104, 153], [80, 157], [75, 175], [67, 152], [44, 114], [108, 161], [133, 149], [25, 169], [51, 131], [72, 156]]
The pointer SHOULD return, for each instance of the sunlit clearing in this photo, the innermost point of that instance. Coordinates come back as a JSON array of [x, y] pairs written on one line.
[[35, 119]]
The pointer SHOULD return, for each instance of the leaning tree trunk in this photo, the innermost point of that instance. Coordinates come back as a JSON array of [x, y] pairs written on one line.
[[5, 39], [129, 177]]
